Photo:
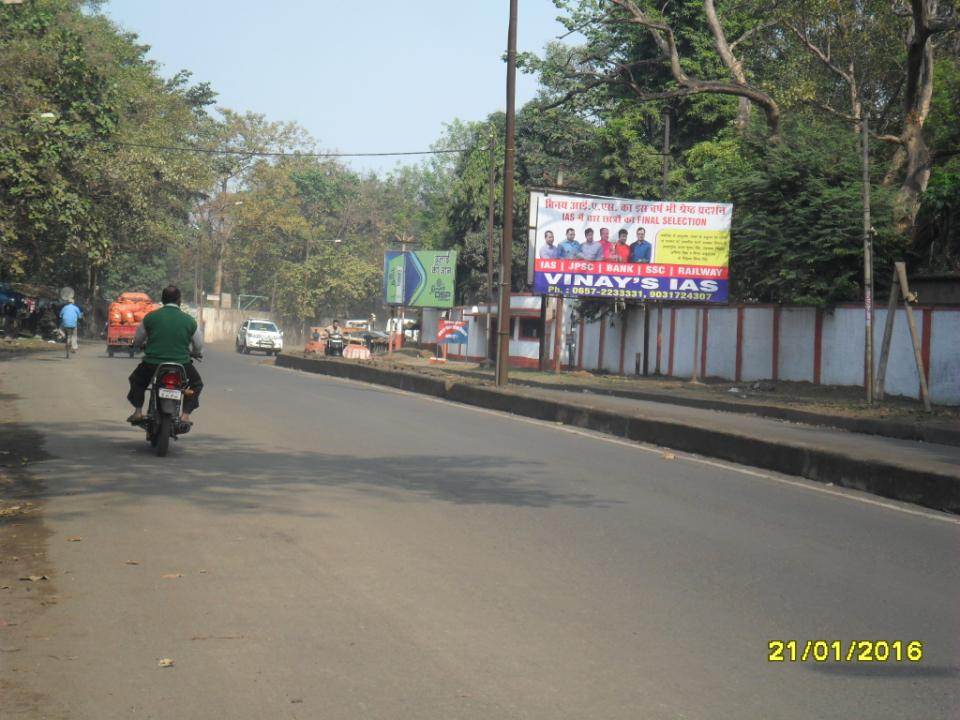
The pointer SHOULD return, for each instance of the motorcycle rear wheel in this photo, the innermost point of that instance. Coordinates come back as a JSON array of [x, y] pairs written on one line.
[[163, 435]]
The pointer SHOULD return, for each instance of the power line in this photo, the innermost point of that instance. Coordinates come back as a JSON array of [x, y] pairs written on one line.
[[260, 153], [269, 153]]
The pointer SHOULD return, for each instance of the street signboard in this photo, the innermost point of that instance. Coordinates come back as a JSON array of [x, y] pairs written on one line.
[[617, 248], [420, 278], [452, 332]]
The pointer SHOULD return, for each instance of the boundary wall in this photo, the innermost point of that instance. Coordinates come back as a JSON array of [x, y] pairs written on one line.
[[739, 343]]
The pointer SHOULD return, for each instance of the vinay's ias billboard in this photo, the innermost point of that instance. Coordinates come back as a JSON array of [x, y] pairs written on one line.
[[591, 246]]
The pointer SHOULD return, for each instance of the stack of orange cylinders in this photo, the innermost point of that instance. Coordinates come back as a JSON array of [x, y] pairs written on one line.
[[130, 309]]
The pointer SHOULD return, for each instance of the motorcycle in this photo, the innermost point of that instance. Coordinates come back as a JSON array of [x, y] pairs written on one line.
[[334, 345], [168, 389]]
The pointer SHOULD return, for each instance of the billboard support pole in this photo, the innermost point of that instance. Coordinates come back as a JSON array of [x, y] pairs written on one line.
[[506, 250], [542, 365], [696, 345]]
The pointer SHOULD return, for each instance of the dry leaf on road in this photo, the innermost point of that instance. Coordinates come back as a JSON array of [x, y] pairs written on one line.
[[165, 662], [171, 576], [668, 456], [75, 538], [132, 562], [35, 578]]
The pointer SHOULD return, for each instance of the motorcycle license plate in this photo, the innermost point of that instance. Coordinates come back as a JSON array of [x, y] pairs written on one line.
[[168, 394]]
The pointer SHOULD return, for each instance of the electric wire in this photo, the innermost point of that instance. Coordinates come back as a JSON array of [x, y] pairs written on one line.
[[257, 153]]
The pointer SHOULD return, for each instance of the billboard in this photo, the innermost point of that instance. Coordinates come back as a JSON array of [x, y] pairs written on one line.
[[421, 278], [605, 247], [452, 332]]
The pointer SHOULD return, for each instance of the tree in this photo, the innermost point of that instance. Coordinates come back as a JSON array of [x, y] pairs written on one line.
[[84, 176], [797, 223]]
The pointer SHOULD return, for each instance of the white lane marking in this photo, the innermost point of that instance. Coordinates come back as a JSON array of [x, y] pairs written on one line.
[[803, 484]]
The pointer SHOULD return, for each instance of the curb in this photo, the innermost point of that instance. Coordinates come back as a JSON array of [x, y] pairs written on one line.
[[864, 426], [898, 482]]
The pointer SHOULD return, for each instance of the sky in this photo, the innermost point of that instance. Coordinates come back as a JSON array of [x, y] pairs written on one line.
[[373, 76]]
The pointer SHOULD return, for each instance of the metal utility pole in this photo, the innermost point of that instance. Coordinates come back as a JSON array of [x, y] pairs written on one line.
[[491, 295], [506, 249], [867, 263]]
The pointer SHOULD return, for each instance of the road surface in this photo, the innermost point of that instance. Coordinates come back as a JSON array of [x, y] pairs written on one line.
[[318, 548]]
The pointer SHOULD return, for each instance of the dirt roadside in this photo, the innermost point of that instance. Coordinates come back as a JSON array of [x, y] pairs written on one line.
[[26, 578]]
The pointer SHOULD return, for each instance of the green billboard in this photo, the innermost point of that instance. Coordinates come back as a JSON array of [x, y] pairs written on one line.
[[420, 278]]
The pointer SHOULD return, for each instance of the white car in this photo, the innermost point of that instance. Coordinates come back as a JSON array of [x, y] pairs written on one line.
[[259, 335]]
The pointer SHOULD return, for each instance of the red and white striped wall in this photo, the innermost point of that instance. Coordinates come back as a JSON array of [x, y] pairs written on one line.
[[744, 343]]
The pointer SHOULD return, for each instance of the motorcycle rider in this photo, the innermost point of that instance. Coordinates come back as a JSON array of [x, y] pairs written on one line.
[[333, 329], [166, 334]]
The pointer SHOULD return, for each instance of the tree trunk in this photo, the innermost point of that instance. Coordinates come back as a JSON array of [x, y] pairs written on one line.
[[218, 277], [916, 177], [914, 153]]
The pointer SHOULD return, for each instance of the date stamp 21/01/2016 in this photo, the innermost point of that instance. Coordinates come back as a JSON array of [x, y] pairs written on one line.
[[861, 651]]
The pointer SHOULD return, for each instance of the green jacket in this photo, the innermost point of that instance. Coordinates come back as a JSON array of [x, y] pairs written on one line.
[[169, 332]]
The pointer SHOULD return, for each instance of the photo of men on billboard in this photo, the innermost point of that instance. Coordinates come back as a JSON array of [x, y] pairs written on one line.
[[629, 249]]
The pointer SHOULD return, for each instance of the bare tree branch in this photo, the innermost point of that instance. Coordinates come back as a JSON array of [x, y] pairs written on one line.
[[855, 120], [663, 36], [821, 55], [751, 32], [593, 80]]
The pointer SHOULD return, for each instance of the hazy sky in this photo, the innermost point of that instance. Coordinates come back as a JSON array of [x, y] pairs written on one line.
[[371, 76]]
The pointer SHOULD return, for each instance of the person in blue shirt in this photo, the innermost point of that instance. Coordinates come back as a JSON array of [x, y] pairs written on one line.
[[69, 316], [591, 250], [641, 251], [570, 248], [549, 251]]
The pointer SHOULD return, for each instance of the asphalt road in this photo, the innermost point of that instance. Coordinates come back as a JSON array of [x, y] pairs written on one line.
[[346, 551]]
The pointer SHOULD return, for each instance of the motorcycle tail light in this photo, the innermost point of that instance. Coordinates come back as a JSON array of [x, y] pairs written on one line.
[[170, 380]]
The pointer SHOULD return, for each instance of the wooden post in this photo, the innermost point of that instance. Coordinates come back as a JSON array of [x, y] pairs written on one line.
[[696, 343], [887, 335], [542, 365], [817, 346], [673, 327], [703, 343], [558, 335], [775, 370], [623, 336], [583, 330], [659, 336], [603, 338], [905, 293], [738, 366]]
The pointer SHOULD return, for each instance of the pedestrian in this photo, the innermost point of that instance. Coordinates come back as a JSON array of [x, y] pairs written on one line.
[[10, 320], [69, 318]]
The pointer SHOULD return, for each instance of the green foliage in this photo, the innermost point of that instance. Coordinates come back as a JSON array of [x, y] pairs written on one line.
[[798, 225], [76, 193], [147, 272], [937, 248], [83, 195]]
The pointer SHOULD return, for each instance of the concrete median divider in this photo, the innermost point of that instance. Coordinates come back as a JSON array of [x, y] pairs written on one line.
[[927, 487]]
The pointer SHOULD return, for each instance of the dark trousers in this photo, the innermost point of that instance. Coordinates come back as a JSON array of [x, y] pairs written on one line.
[[143, 374]]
